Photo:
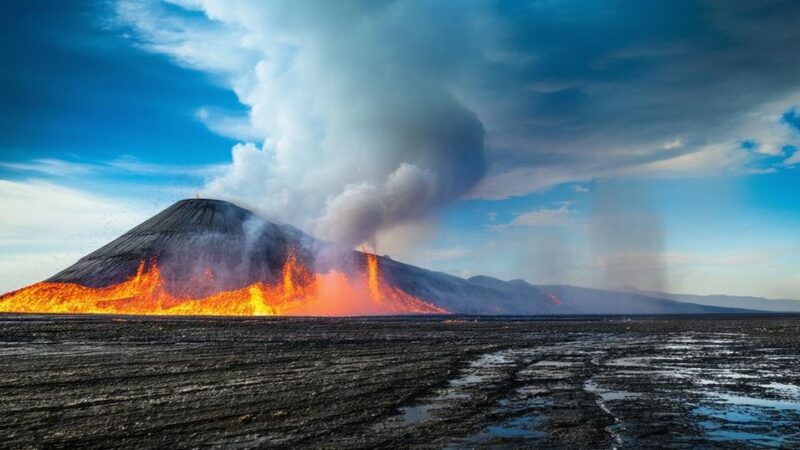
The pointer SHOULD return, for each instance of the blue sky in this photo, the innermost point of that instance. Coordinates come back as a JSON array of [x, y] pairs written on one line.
[[643, 144]]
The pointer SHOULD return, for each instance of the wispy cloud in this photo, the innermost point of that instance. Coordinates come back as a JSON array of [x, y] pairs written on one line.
[[544, 217], [444, 253], [47, 166], [793, 159], [135, 166], [120, 166]]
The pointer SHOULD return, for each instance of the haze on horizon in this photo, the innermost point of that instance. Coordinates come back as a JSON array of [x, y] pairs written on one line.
[[625, 144]]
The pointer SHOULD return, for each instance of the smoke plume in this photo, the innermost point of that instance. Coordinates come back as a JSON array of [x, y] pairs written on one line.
[[358, 130], [627, 240]]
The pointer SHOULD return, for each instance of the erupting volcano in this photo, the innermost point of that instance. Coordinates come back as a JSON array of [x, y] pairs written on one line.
[[207, 257], [210, 257]]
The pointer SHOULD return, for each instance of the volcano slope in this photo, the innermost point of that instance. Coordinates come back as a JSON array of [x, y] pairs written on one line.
[[189, 237], [238, 263], [438, 382]]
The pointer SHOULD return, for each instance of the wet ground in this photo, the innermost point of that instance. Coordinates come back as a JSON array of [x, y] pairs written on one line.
[[710, 382]]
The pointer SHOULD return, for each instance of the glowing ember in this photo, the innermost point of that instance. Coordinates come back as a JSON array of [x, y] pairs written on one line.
[[300, 292], [554, 299]]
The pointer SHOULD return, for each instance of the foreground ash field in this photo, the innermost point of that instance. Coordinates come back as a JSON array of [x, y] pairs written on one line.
[[435, 382]]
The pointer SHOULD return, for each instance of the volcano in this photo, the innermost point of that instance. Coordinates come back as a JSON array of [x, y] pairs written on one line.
[[211, 257], [188, 237]]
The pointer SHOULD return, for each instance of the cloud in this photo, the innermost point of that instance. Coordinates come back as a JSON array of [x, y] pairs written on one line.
[[49, 166], [45, 227], [525, 180], [53, 167], [794, 157], [445, 253], [714, 158], [544, 217], [623, 84], [346, 108], [134, 166], [499, 100], [226, 124]]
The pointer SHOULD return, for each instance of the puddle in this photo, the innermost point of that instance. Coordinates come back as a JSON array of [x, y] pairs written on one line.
[[608, 395], [472, 378], [481, 371], [721, 393], [633, 361], [517, 429], [743, 436], [750, 420], [555, 364], [516, 405], [418, 413], [755, 401], [790, 390], [618, 395], [728, 415], [531, 391]]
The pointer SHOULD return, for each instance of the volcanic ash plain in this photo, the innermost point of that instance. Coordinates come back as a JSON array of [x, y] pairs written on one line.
[[438, 382]]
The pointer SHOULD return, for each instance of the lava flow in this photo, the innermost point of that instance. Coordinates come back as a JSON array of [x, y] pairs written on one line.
[[554, 299], [300, 292]]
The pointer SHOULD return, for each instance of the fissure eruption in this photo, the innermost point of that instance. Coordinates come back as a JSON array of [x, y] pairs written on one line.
[[300, 292]]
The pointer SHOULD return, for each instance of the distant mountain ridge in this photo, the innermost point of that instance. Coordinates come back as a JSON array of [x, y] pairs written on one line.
[[487, 295], [597, 301], [730, 301]]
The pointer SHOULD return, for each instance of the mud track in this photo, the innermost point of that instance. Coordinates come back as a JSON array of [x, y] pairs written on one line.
[[100, 382]]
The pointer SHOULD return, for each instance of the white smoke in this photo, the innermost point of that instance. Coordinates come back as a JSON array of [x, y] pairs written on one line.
[[363, 116], [359, 132], [360, 211]]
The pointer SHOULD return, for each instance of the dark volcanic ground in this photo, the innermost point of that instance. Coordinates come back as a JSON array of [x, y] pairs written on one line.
[[444, 382]]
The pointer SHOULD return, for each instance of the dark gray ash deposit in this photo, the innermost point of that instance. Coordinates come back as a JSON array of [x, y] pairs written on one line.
[[458, 382]]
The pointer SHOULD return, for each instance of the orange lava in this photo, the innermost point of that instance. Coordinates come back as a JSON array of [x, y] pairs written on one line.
[[299, 293], [373, 280]]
